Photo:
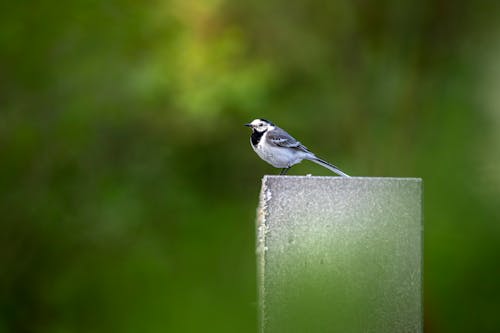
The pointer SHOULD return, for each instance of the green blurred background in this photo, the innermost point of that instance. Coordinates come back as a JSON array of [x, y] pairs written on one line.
[[128, 185]]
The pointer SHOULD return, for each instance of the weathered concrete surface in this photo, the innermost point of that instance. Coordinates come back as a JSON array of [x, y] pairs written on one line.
[[340, 254]]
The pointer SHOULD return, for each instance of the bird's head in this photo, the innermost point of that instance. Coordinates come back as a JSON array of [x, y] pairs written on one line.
[[260, 125]]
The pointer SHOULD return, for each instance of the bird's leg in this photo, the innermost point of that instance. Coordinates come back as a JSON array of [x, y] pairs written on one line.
[[284, 171]]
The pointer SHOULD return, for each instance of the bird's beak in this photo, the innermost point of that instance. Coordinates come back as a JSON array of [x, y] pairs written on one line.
[[247, 125]]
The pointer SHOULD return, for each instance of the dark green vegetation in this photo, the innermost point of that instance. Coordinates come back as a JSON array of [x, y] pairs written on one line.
[[128, 185]]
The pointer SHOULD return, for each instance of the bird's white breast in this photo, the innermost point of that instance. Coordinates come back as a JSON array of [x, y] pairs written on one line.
[[279, 157]]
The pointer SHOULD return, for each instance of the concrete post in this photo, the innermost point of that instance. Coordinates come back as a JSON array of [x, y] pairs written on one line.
[[340, 254]]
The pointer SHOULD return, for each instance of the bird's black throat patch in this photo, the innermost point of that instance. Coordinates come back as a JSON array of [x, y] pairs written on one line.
[[256, 136]]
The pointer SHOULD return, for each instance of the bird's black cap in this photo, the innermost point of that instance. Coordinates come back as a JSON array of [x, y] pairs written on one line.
[[267, 121]]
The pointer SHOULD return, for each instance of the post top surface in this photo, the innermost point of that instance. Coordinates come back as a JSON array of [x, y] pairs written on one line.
[[343, 179]]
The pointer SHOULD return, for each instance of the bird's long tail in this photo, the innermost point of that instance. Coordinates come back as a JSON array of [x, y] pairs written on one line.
[[329, 166]]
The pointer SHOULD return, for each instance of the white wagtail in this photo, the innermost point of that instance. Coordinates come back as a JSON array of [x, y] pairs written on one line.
[[278, 148]]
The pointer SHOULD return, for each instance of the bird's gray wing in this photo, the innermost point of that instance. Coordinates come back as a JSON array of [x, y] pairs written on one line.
[[281, 138]]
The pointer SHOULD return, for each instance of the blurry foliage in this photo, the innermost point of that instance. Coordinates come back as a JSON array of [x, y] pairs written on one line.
[[128, 187]]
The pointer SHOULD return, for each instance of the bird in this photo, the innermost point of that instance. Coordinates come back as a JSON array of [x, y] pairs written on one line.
[[278, 148]]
